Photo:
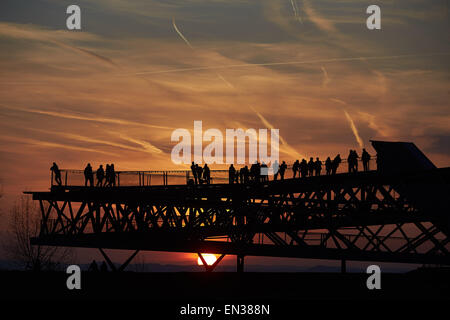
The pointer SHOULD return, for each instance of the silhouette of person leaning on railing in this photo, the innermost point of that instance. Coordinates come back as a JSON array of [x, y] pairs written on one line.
[[57, 173]]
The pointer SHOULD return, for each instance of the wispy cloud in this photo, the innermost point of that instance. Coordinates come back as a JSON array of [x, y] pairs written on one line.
[[55, 145], [313, 15], [93, 118]]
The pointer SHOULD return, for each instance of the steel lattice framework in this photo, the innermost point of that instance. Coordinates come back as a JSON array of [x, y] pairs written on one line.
[[366, 216]]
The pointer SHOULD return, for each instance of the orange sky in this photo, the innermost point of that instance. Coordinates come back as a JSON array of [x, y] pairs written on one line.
[[115, 91]]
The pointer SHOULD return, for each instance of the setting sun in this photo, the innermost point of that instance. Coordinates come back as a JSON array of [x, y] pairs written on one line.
[[209, 258]]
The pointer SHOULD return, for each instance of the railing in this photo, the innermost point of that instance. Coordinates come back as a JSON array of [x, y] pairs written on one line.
[[170, 177]]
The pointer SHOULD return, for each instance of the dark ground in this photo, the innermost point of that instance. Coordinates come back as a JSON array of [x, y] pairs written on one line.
[[283, 291]]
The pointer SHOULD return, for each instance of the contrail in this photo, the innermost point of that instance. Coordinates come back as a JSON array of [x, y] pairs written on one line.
[[148, 148], [41, 143], [247, 65], [350, 121], [86, 52], [86, 118], [326, 79], [180, 34], [226, 81], [289, 150], [295, 9], [355, 131]]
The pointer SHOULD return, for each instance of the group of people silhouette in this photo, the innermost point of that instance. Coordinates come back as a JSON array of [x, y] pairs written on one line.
[[201, 175], [300, 169], [105, 177], [258, 172]]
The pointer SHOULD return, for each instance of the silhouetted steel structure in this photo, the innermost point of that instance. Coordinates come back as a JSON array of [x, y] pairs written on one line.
[[399, 213]]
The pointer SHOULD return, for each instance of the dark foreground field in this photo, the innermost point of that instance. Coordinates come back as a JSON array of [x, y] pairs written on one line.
[[433, 284], [168, 295]]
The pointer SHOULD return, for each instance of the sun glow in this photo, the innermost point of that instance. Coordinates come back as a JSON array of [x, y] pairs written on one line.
[[209, 258]]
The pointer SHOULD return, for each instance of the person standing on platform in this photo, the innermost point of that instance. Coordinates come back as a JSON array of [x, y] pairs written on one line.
[[206, 174], [194, 172], [88, 176], [365, 157], [231, 174], [100, 176]]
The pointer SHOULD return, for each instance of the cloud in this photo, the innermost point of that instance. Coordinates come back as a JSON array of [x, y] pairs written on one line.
[[36, 33], [315, 17]]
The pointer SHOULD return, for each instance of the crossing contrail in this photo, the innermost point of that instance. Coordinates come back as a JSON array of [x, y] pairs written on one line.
[[288, 148], [248, 65]]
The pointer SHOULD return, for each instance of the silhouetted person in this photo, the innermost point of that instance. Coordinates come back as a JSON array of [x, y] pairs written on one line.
[[231, 174], [328, 166], [350, 161], [335, 164], [107, 175], [100, 176], [365, 157], [241, 175], [93, 266], [199, 170], [246, 175], [275, 168], [88, 176], [283, 168], [194, 172], [56, 173], [206, 174], [112, 177], [304, 168], [258, 172], [311, 166], [318, 166], [296, 168]]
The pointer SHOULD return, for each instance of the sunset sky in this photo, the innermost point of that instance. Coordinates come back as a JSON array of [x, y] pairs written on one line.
[[115, 91]]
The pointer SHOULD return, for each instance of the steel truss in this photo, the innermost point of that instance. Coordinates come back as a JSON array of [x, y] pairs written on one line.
[[365, 216]]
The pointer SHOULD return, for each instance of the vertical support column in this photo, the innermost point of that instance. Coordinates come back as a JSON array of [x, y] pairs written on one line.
[[240, 263], [343, 266]]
